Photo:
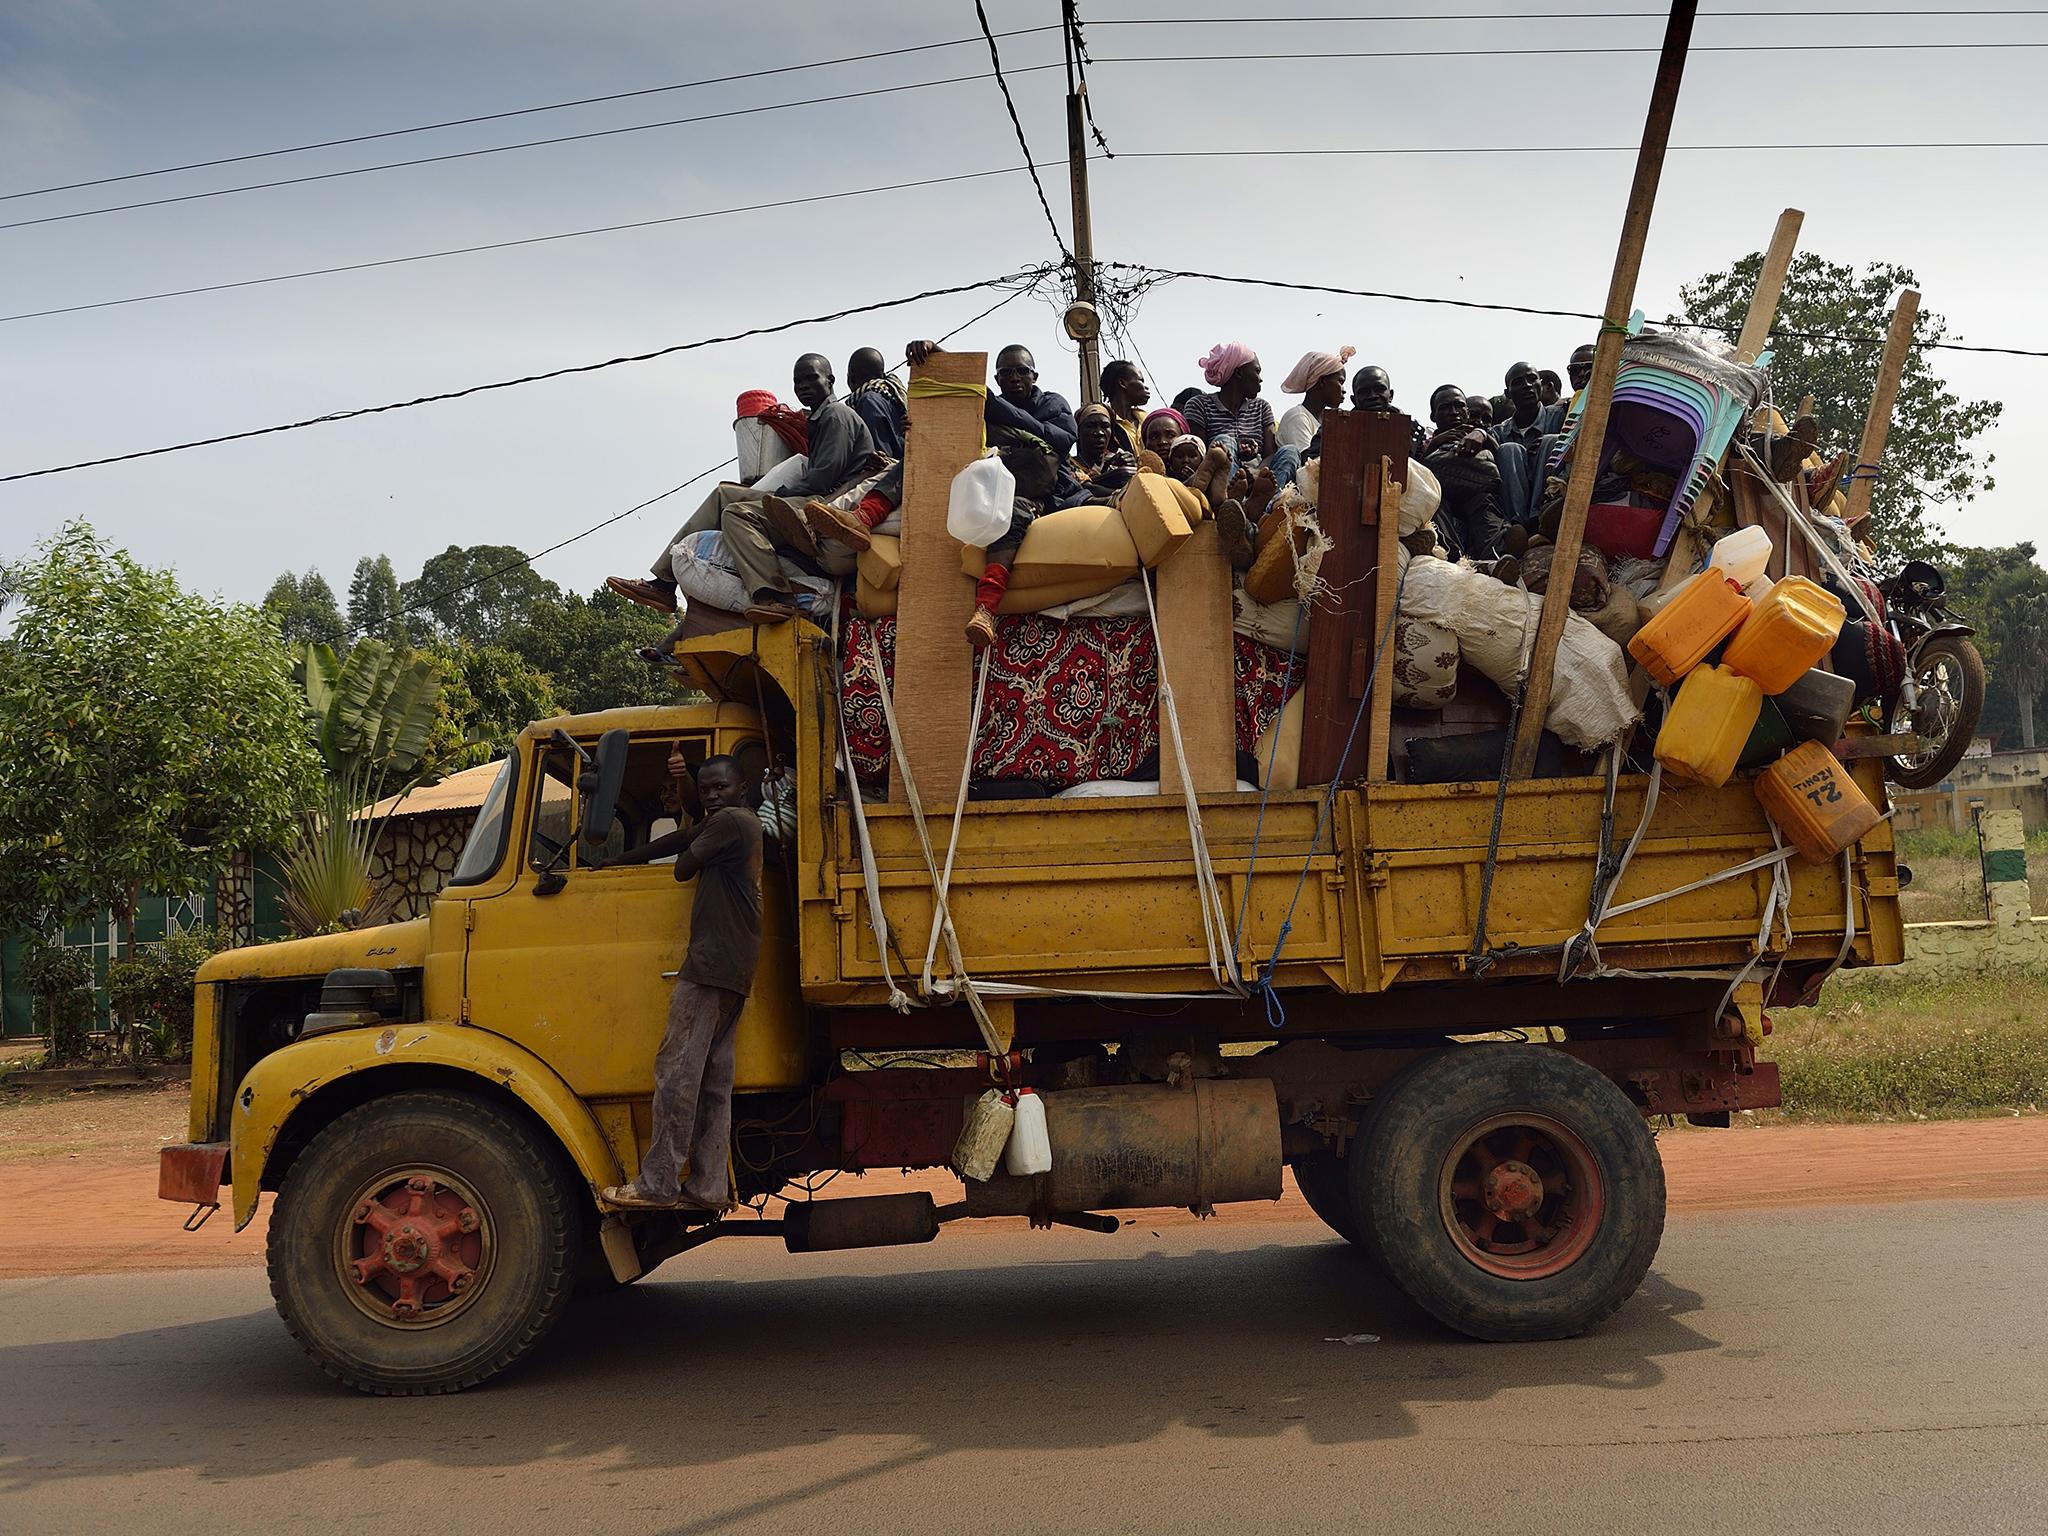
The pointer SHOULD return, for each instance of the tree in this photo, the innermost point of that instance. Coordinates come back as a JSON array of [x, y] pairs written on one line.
[[586, 646], [2004, 592], [478, 593], [490, 696], [1826, 342], [374, 601], [150, 732], [304, 610], [371, 717]]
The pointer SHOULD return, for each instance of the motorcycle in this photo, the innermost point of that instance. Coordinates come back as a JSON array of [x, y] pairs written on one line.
[[1941, 695]]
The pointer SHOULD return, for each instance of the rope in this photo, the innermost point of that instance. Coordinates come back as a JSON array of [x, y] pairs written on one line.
[[982, 1022], [931, 944], [1215, 909], [1478, 959]]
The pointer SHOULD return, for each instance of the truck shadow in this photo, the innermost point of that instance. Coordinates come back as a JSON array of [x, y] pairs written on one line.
[[1045, 1348]]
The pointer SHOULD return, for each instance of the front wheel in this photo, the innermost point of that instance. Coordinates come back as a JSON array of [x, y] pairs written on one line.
[[1950, 675], [422, 1243], [1513, 1192]]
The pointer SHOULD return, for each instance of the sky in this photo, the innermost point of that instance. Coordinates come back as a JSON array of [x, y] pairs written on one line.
[[101, 88]]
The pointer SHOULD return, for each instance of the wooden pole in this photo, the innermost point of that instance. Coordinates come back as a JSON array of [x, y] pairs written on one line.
[[1878, 423], [1084, 224], [1770, 283], [1621, 298]]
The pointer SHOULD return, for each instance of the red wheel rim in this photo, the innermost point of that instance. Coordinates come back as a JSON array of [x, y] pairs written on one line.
[[1521, 1195], [414, 1247]]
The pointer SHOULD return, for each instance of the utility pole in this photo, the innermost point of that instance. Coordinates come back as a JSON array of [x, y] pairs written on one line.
[[1083, 325]]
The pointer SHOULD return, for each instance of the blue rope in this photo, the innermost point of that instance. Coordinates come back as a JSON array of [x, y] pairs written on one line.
[[1262, 988]]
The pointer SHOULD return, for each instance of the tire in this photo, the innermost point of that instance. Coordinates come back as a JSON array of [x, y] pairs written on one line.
[[1587, 1174], [1324, 1180], [459, 1187], [1954, 656]]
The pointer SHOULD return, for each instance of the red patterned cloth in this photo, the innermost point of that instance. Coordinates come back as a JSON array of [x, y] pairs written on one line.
[[1067, 702]]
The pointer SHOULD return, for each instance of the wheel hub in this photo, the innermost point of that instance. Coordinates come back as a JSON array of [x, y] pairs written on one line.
[[1513, 1191], [417, 1246]]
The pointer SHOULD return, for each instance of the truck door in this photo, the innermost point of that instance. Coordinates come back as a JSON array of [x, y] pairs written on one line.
[[581, 975]]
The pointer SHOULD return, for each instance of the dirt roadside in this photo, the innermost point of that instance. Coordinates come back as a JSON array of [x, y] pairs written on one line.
[[78, 1179]]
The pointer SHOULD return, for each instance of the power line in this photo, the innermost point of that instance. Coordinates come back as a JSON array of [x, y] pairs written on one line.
[[1534, 53], [1009, 170], [494, 117], [1770, 15], [1528, 309], [499, 149], [430, 599], [501, 245], [995, 60], [531, 378]]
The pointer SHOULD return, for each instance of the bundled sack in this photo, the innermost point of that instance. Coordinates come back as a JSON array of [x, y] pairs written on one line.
[[1425, 661], [1495, 626], [1282, 625], [1607, 605], [1159, 514], [704, 576]]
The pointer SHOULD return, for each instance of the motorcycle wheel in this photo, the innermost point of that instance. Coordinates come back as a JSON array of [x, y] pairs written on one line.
[[1951, 678]]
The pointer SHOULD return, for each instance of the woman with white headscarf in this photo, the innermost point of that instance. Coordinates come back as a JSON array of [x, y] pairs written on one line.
[[1319, 379]]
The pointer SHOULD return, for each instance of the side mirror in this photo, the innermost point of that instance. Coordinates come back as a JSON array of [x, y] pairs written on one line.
[[599, 785]]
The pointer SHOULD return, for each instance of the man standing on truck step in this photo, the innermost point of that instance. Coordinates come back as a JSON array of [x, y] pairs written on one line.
[[840, 450], [693, 1070]]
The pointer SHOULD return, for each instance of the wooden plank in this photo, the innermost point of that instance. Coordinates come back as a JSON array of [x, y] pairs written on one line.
[[1621, 294], [934, 689], [1392, 478], [1347, 623], [1878, 424], [1770, 283], [1199, 659]]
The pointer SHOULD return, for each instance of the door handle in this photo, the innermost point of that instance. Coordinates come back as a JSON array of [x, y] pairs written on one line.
[[670, 975]]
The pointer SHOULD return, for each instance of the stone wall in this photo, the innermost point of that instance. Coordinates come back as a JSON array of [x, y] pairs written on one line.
[[415, 855]]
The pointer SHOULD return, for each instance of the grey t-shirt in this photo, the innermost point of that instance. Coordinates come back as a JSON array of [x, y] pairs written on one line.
[[725, 918]]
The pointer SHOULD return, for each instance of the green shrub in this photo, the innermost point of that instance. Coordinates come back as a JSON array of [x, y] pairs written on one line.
[[153, 991], [60, 990]]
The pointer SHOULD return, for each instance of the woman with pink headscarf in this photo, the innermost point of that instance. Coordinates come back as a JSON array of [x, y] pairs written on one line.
[[1234, 416]]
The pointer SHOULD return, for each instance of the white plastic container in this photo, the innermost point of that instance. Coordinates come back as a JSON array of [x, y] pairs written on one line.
[[1030, 1149], [1741, 556], [983, 496]]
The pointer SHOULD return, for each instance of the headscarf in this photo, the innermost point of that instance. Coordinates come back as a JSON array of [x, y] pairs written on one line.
[[1185, 437], [1095, 408], [1224, 359], [1169, 413], [1313, 368]]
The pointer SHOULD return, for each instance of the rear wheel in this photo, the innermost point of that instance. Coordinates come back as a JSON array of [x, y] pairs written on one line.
[[1951, 677], [1513, 1192], [422, 1243], [1324, 1180]]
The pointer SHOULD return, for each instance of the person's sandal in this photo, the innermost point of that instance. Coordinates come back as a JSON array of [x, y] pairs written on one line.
[[629, 1197], [981, 629], [658, 595], [828, 522]]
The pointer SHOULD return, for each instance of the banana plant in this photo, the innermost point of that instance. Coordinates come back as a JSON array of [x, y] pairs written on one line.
[[370, 718]]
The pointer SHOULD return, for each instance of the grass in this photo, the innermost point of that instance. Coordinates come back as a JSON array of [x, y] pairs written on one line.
[[1947, 883], [1889, 1044]]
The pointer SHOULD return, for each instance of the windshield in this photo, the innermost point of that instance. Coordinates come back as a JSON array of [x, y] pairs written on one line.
[[486, 843]]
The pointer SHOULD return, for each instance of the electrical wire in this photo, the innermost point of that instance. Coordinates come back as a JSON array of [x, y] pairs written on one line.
[[494, 117], [428, 600], [1538, 53], [1529, 309], [995, 60], [531, 378], [500, 149], [1770, 15]]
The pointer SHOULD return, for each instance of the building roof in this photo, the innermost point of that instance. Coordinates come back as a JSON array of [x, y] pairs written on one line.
[[458, 794]]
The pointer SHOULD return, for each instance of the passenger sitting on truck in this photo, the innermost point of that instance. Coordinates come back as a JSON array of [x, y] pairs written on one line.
[[693, 1070], [1184, 456], [1161, 428], [840, 447], [1036, 472], [876, 396], [1018, 404], [1234, 416], [1462, 457], [1124, 392], [1105, 466]]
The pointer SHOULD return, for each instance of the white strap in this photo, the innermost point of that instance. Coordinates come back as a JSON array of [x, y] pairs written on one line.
[[878, 920]]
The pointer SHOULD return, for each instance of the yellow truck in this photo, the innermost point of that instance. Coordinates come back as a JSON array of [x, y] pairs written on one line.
[[434, 1104]]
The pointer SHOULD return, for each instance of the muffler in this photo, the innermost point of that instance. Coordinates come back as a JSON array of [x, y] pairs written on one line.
[[1121, 1148]]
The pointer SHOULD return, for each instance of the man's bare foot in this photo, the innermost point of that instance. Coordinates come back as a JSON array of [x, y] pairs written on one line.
[[1212, 476], [1235, 533], [658, 595], [1260, 495], [981, 629], [828, 522]]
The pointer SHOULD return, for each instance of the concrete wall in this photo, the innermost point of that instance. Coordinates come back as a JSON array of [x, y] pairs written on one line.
[[2011, 935], [1997, 781]]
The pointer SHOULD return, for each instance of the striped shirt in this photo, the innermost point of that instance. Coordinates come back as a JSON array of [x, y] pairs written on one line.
[[1208, 419]]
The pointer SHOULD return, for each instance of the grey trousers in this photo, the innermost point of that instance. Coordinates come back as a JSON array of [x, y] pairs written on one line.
[[736, 512], [693, 1074]]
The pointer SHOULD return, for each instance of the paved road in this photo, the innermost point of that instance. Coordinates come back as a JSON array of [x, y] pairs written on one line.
[[1856, 1369]]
